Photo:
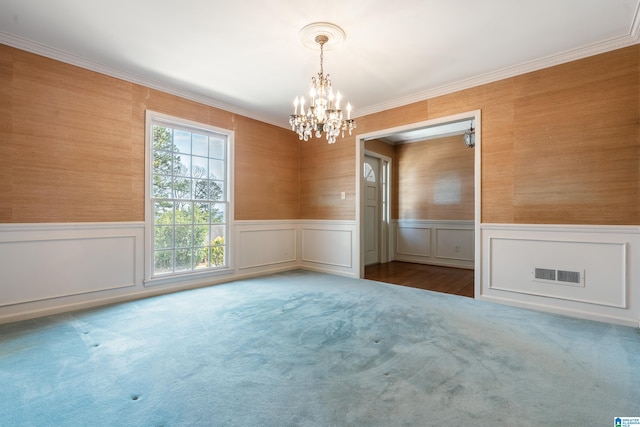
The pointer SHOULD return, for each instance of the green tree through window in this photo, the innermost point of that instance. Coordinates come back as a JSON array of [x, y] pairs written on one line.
[[189, 199]]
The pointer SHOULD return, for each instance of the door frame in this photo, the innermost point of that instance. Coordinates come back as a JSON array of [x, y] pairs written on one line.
[[474, 115]]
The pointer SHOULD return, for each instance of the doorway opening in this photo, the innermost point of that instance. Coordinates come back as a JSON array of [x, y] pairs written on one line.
[[376, 192], [393, 237]]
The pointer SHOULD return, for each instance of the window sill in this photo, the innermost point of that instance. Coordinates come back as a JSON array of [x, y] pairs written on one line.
[[193, 278]]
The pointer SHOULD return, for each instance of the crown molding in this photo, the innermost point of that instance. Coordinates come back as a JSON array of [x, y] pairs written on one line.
[[58, 55], [571, 55]]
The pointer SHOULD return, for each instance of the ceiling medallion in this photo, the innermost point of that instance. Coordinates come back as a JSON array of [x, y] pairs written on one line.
[[323, 115]]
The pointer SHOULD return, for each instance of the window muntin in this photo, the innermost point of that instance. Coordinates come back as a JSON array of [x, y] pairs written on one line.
[[189, 197]]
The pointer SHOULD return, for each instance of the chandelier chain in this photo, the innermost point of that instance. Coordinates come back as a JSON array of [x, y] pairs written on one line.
[[321, 56]]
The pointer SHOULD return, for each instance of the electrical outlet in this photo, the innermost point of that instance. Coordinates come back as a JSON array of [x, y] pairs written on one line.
[[343, 195]]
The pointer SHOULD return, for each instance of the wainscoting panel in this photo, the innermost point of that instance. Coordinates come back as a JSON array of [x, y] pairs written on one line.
[[455, 244], [52, 268], [265, 245], [587, 271], [447, 243], [597, 270], [71, 266], [413, 240], [43, 262], [329, 246]]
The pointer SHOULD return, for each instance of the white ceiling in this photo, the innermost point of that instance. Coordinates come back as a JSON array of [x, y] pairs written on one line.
[[246, 56]]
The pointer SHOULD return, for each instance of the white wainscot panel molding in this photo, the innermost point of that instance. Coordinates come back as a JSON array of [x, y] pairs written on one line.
[[414, 240], [329, 246], [452, 243], [585, 271], [594, 271], [437, 242], [45, 265], [266, 245]]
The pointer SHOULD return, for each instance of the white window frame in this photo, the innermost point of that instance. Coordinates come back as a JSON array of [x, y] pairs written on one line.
[[176, 277]]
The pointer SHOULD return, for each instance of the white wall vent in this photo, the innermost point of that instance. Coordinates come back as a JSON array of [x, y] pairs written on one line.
[[561, 277], [544, 274], [569, 276]]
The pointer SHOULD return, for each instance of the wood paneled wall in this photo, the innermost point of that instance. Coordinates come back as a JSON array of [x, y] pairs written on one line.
[[433, 180], [380, 147], [72, 147], [267, 178], [326, 170], [559, 145]]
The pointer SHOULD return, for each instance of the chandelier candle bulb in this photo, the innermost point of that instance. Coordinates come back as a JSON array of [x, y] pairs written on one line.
[[349, 113]]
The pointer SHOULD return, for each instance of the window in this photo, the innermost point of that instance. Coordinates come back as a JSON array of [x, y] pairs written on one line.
[[369, 173], [188, 197]]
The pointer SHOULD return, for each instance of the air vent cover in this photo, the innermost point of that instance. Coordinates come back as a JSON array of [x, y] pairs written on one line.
[[569, 276], [560, 277], [545, 274]]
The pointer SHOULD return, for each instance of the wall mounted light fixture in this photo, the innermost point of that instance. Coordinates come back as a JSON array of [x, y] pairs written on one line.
[[470, 136]]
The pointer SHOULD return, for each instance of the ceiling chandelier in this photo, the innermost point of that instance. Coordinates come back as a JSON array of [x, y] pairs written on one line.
[[324, 113]]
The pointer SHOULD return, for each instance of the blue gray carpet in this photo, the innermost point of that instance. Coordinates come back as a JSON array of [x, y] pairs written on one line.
[[309, 349]]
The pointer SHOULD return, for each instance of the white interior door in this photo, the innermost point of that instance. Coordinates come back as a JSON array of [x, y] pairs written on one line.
[[371, 210]]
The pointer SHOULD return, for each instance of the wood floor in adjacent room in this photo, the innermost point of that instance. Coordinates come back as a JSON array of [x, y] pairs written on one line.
[[457, 281]]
